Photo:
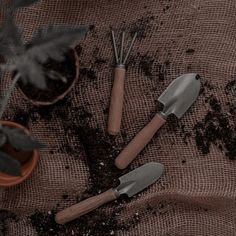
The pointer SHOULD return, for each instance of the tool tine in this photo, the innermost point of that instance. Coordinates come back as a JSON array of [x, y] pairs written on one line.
[[114, 46], [122, 47], [129, 50]]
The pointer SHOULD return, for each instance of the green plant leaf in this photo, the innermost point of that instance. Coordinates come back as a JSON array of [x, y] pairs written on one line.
[[10, 38], [54, 75], [30, 71], [8, 165], [54, 41], [23, 3], [21, 141], [3, 139]]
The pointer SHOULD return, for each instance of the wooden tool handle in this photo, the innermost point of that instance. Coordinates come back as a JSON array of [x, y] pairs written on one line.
[[116, 104], [85, 206], [139, 142]]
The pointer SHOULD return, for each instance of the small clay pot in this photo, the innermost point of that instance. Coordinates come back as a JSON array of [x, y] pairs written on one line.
[[62, 95], [27, 159]]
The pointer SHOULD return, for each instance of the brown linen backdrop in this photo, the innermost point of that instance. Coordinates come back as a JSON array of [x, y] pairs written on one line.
[[196, 195]]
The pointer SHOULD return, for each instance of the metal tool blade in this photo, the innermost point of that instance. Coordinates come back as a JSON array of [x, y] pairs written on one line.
[[140, 178], [180, 95]]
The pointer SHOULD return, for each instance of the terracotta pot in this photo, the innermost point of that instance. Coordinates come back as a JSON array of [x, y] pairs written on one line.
[[60, 97], [28, 160]]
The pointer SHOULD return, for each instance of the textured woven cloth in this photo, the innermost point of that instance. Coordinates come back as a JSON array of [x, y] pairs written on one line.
[[196, 195]]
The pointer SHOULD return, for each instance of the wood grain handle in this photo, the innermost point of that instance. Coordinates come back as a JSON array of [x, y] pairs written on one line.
[[85, 206], [139, 142], [116, 104]]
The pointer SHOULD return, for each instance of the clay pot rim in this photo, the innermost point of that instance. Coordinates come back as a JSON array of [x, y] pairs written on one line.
[[31, 163], [60, 97]]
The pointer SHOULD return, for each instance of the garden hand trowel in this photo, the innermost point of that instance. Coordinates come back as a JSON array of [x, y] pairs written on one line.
[[130, 184], [177, 98]]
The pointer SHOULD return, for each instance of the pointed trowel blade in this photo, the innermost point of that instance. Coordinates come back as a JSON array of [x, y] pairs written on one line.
[[180, 94], [140, 178]]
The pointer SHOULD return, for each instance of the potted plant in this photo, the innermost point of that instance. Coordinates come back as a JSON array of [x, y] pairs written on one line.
[[18, 151], [62, 68]]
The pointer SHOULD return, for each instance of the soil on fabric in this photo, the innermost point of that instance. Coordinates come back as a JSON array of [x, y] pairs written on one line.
[[92, 224], [230, 87], [5, 217], [99, 148], [142, 27], [55, 87], [151, 69], [100, 151], [217, 128]]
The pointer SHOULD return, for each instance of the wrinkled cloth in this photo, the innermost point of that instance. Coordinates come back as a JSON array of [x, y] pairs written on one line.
[[196, 195]]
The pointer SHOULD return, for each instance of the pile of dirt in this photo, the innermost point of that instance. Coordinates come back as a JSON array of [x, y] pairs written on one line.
[[96, 224], [5, 216], [216, 128]]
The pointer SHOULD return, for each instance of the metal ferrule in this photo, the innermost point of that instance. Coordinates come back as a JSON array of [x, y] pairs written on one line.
[[117, 194], [120, 66], [163, 115]]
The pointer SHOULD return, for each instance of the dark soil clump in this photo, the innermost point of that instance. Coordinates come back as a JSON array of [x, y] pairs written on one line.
[[66, 69], [88, 73], [190, 51], [152, 70], [94, 224], [146, 64], [206, 86], [33, 113], [230, 87], [216, 128], [4, 217], [45, 224], [142, 27], [101, 153], [174, 125], [21, 117]]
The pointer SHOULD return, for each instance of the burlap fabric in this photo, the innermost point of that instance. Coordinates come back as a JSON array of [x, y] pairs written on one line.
[[196, 195]]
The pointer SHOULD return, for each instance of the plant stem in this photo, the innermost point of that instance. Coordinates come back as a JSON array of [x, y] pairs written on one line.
[[8, 95]]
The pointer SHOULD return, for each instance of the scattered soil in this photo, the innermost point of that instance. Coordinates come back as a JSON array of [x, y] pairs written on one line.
[[21, 117], [175, 125], [98, 60], [160, 209], [190, 51], [166, 8], [150, 69], [206, 87], [100, 151], [96, 224], [55, 88], [232, 109], [88, 73], [5, 216], [216, 128], [142, 26], [185, 134], [230, 87], [103, 175], [146, 64]]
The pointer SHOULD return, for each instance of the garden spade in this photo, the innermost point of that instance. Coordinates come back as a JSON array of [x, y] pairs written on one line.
[[177, 98], [130, 184]]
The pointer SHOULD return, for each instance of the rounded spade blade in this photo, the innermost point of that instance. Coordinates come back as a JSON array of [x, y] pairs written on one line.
[[140, 178], [180, 94]]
